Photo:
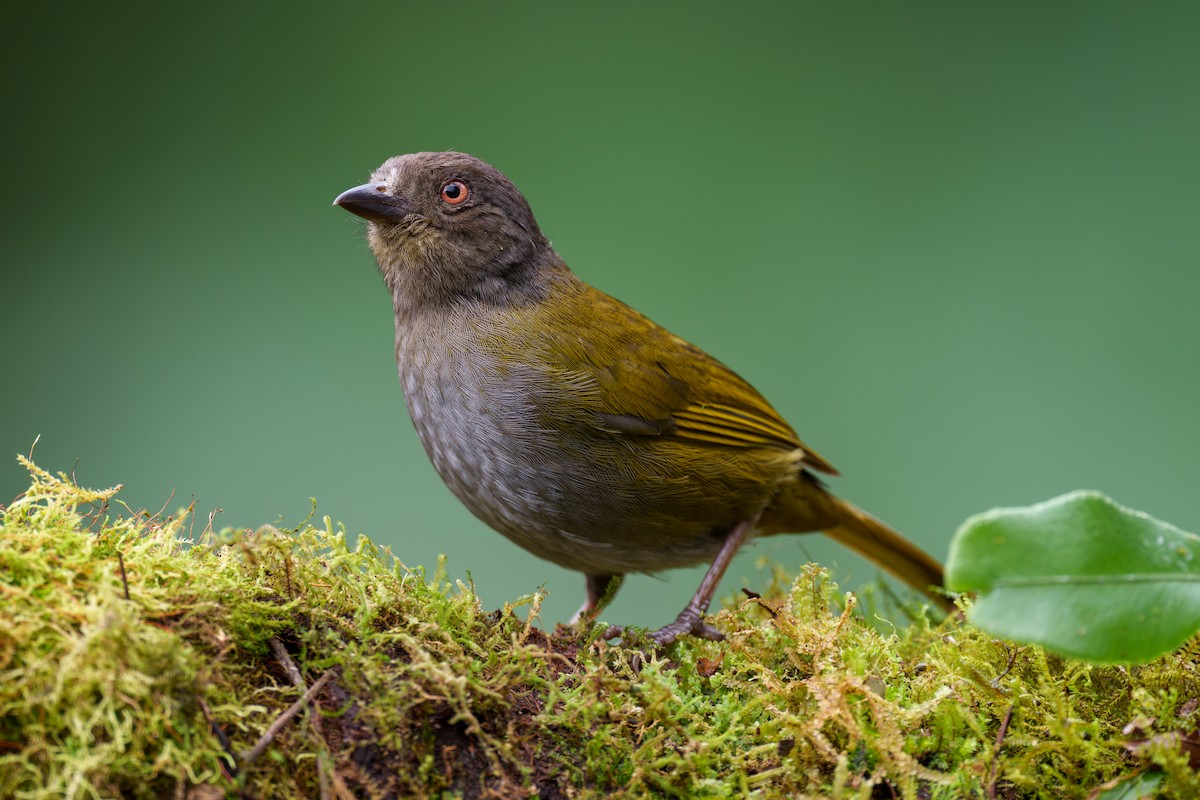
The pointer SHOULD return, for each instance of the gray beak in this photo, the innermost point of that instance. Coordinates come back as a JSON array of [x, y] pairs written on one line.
[[373, 202]]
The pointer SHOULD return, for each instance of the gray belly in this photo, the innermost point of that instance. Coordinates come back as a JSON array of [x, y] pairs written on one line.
[[600, 511]]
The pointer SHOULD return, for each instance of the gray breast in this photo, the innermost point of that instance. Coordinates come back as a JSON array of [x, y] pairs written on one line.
[[475, 426], [479, 424]]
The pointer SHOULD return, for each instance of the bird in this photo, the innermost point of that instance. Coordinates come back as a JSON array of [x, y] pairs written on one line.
[[572, 424]]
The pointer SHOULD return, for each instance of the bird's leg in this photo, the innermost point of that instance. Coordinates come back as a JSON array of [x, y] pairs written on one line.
[[691, 619], [600, 591]]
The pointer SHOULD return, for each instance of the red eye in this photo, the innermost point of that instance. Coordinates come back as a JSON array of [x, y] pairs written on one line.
[[455, 193]]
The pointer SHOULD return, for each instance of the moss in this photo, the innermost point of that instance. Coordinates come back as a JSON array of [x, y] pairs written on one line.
[[130, 645]]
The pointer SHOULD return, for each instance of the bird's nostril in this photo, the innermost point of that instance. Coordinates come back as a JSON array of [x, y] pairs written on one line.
[[380, 188]]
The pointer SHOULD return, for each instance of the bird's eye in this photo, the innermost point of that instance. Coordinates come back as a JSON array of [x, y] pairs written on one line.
[[455, 193]]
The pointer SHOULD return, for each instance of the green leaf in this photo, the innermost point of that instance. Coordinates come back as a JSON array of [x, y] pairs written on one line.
[[1133, 787], [1080, 575]]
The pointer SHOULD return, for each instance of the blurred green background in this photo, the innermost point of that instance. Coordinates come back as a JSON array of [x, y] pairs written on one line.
[[955, 244]]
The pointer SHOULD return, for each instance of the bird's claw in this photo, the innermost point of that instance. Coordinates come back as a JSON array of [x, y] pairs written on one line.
[[689, 622]]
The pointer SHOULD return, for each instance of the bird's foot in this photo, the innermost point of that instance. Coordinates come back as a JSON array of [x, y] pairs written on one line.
[[690, 621], [600, 591], [667, 634], [613, 632]]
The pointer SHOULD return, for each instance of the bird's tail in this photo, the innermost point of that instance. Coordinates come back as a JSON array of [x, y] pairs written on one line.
[[884, 546], [807, 505]]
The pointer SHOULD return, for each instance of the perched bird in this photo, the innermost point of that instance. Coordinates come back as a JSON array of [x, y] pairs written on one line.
[[570, 423]]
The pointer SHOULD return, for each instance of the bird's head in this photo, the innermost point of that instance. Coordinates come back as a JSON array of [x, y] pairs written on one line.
[[445, 226]]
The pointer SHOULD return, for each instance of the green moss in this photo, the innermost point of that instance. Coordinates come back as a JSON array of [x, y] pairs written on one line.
[[429, 695]]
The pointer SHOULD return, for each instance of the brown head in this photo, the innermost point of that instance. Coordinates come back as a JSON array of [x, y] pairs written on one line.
[[446, 226]]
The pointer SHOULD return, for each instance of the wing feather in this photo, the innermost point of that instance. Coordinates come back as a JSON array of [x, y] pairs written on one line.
[[635, 378]]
